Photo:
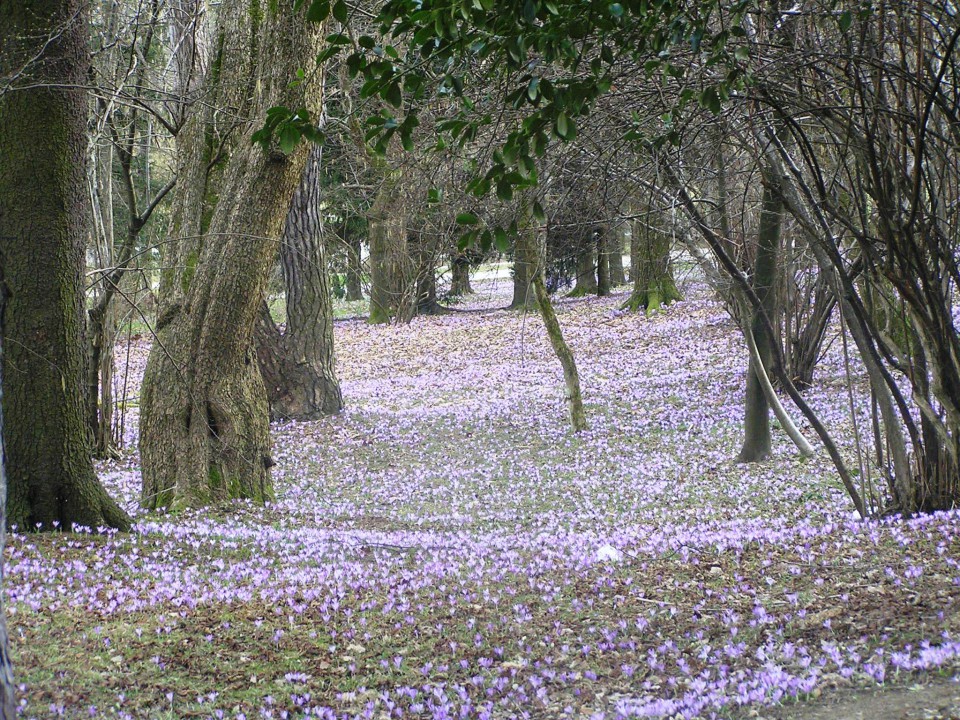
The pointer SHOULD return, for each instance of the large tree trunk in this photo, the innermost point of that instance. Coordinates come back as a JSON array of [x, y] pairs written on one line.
[[298, 366], [586, 283], [756, 430], [43, 230], [523, 295], [650, 266], [614, 256], [204, 433]]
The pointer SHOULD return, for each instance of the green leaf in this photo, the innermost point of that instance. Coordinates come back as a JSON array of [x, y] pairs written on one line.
[[742, 53], [501, 240], [710, 100], [616, 9], [467, 219], [288, 138], [533, 89], [846, 18], [340, 11], [318, 11], [393, 94], [562, 126], [434, 195], [538, 214]]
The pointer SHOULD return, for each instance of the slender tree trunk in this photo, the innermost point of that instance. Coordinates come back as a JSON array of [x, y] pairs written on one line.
[[603, 261], [618, 275], [43, 211], [204, 433], [756, 443], [298, 366], [533, 249], [354, 265]]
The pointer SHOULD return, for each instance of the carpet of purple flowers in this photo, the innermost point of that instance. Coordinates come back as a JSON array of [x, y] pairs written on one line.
[[447, 548]]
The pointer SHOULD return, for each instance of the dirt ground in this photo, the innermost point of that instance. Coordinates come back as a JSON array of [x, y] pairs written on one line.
[[938, 699]]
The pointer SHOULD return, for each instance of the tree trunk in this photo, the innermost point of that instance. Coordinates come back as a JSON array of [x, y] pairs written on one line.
[[756, 443], [43, 230], [533, 249], [603, 261], [390, 291], [618, 275], [650, 266], [354, 265], [460, 276], [204, 433], [298, 366], [426, 277], [523, 295], [586, 283], [8, 704]]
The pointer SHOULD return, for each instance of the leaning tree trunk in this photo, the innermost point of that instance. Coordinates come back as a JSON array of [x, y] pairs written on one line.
[[756, 430], [204, 433], [43, 231], [298, 365], [532, 247], [650, 266]]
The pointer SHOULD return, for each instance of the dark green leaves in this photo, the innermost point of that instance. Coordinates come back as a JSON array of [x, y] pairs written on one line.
[[318, 11]]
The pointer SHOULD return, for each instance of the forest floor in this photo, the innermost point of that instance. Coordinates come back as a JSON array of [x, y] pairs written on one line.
[[447, 548]]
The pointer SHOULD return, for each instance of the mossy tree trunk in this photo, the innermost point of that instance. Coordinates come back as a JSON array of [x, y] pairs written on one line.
[[298, 365], [650, 266], [204, 434], [756, 430], [43, 231]]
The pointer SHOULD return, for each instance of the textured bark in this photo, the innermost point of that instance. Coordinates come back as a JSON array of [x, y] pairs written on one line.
[[756, 442], [204, 433], [586, 283], [354, 265], [298, 365], [391, 293], [523, 295], [653, 283], [43, 212], [426, 279], [8, 704], [614, 257], [460, 276]]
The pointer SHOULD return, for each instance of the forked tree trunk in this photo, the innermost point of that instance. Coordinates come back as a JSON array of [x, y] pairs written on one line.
[[43, 212], [650, 266], [756, 424], [204, 434], [298, 365]]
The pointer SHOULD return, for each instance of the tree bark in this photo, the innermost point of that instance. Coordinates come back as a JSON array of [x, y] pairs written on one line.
[[756, 442], [603, 260], [298, 366], [460, 276], [653, 283], [43, 212], [354, 265], [204, 433], [533, 249], [390, 291], [8, 700], [586, 283], [618, 275], [523, 295]]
